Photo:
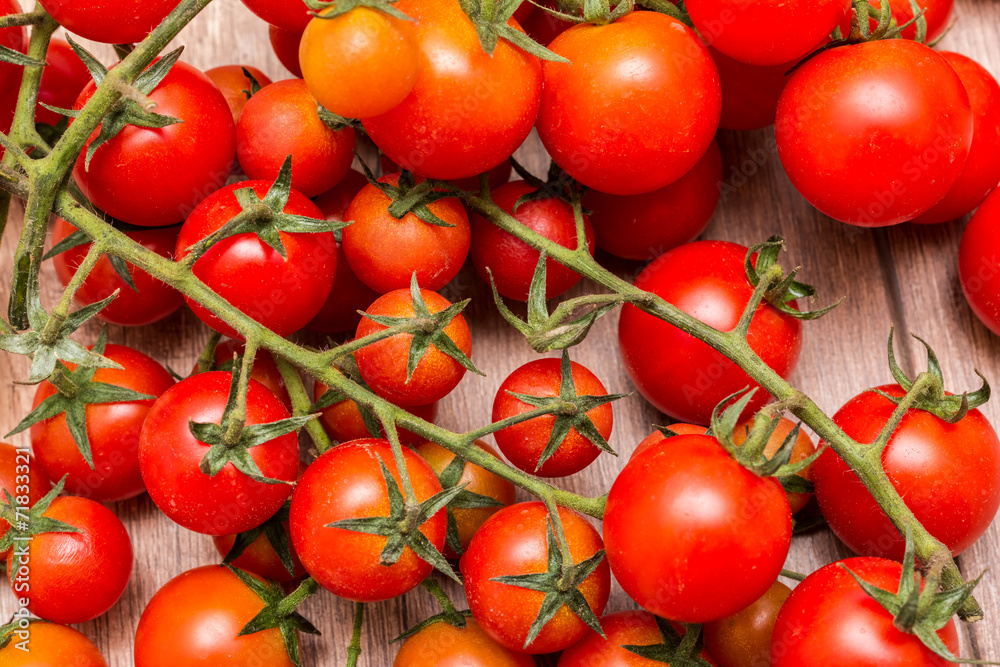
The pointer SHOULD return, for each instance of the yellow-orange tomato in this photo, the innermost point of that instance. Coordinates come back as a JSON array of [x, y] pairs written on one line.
[[359, 64], [803, 448], [444, 645], [235, 85], [50, 645]]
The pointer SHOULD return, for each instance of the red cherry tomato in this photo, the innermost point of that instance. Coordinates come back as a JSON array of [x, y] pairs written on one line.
[[21, 477], [948, 475], [155, 177], [656, 437], [282, 293], [679, 374], [874, 134], [614, 135], [343, 421], [235, 86], [285, 14], [724, 551], [346, 483], [50, 645], [647, 225], [285, 44], [15, 38], [109, 21], [750, 93], [623, 628], [978, 266], [444, 645], [745, 637], [169, 457], [63, 78]]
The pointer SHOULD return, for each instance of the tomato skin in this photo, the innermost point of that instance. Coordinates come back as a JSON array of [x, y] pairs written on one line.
[[623, 628], [15, 38], [646, 225], [384, 252], [511, 261], [383, 364], [150, 302], [750, 93], [542, 26], [281, 293], [444, 645], [977, 263], [745, 637], [234, 85], [524, 443], [109, 21], [948, 475], [433, 132], [706, 279], [285, 44], [662, 128], [802, 449], [12, 466], [343, 421], [63, 78], [51, 645], [260, 557], [512, 542], [169, 457], [346, 482], [195, 619], [689, 493], [75, 577], [125, 175], [112, 428], [830, 621], [981, 172], [281, 13], [656, 437], [874, 134]]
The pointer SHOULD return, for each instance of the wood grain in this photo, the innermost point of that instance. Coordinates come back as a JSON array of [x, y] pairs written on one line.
[[905, 275]]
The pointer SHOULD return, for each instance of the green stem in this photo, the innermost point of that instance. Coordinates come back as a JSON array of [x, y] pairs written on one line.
[[305, 590], [61, 310], [30, 18], [791, 574], [237, 418], [354, 650], [206, 360], [301, 403]]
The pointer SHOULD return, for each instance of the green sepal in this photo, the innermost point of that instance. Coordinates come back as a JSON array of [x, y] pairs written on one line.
[[449, 478], [255, 86], [96, 68], [490, 17], [24, 526], [676, 11], [410, 197], [322, 10], [674, 650], [336, 122], [787, 290], [78, 238], [455, 620], [274, 531], [279, 612], [9, 55]]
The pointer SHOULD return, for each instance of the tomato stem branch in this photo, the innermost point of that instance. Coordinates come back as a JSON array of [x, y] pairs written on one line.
[[354, 650], [301, 404]]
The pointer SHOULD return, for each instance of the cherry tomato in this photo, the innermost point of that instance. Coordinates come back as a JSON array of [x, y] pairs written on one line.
[[656, 437], [109, 21], [874, 134], [50, 645], [112, 429], [444, 645], [513, 542], [30, 488], [346, 483], [750, 93], [281, 13], [744, 638], [169, 457], [982, 169], [281, 120], [155, 177], [829, 620], [524, 443], [646, 225], [235, 86], [73, 577], [383, 364], [150, 302], [359, 64], [948, 475], [679, 374], [343, 421], [623, 628], [63, 78], [468, 111], [285, 44], [15, 38], [802, 449], [8, 103], [260, 557], [614, 135], [264, 370], [476, 480], [542, 26], [936, 12], [196, 619], [282, 293], [512, 262], [978, 265], [384, 252], [728, 529]]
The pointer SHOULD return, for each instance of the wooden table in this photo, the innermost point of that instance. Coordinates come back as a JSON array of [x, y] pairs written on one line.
[[906, 275]]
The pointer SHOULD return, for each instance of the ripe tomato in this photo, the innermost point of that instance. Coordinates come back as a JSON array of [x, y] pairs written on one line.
[[63, 78], [112, 429], [728, 529], [346, 483], [745, 637], [829, 620], [936, 12], [679, 374], [169, 458], [476, 480], [772, 32], [523, 444], [50, 645], [513, 542], [948, 475], [126, 175], [21, 477], [196, 619], [623, 628], [982, 169], [874, 134], [802, 449], [384, 252], [444, 645], [282, 293], [383, 364], [260, 557], [15, 38], [150, 302], [656, 437], [343, 421], [750, 93], [359, 64], [978, 265], [73, 577], [109, 21], [468, 111], [542, 26], [281, 13], [646, 225], [264, 369], [281, 120], [285, 44], [615, 135], [235, 85], [511, 261]]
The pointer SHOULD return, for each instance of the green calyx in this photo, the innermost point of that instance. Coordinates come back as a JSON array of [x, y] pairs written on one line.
[[557, 185], [570, 410], [465, 499], [677, 11], [254, 83], [331, 10], [26, 523], [274, 531], [279, 611], [334, 121], [448, 614], [675, 650], [410, 197], [490, 19], [782, 290], [77, 390]]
